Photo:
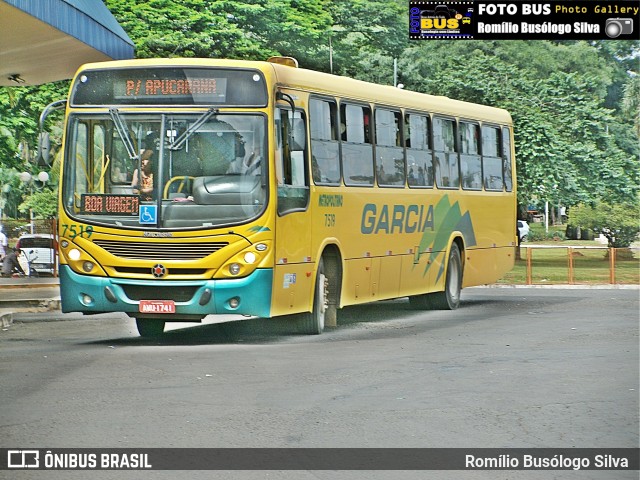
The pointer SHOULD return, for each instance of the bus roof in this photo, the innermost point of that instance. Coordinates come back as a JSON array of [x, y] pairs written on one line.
[[332, 85]]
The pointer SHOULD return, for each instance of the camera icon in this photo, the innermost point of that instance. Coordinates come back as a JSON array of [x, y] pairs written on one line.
[[614, 27]]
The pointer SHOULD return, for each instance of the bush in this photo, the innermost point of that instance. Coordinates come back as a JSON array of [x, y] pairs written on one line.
[[537, 233], [618, 223]]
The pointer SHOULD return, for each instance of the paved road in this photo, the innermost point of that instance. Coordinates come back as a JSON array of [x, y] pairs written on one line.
[[510, 368]]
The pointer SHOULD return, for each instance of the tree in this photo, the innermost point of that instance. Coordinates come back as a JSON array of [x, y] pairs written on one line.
[[618, 222], [570, 148], [43, 203], [574, 103]]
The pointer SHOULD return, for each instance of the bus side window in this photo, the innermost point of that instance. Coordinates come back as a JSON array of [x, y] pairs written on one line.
[[390, 167], [325, 148], [357, 151], [491, 158], [419, 150], [291, 141], [470, 163], [446, 156], [506, 155]]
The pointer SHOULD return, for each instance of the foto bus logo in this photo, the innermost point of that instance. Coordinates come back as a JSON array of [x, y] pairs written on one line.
[[442, 18]]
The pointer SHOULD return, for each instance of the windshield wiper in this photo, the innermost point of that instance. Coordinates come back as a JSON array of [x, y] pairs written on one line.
[[180, 141], [121, 127]]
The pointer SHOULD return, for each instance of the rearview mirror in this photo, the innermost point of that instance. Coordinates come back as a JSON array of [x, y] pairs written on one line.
[[44, 148]]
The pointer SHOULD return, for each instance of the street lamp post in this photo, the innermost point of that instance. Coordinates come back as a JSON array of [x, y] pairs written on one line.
[[27, 178]]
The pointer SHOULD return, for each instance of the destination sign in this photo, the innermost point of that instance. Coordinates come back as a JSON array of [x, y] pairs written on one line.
[[170, 86], [109, 204], [213, 90]]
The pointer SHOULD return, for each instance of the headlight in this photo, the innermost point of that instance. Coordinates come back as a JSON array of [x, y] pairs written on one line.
[[74, 254], [234, 269]]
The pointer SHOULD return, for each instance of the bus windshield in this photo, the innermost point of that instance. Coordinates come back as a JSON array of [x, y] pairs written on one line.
[[165, 171]]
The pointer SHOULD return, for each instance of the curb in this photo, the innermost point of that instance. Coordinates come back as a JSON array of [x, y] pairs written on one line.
[[33, 306], [561, 286], [12, 286]]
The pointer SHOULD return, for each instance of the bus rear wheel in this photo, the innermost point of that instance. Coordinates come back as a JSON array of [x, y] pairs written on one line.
[[149, 327], [312, 323], [449, 299]]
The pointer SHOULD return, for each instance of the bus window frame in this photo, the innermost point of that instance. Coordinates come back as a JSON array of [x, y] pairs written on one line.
[[456, 151], [397, 112], [336, 134], [348, 102], [478, 154], [429, 150], [507, 131], [499, 157]]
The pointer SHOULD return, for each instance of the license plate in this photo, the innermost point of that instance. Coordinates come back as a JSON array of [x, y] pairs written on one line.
[[157, 306]]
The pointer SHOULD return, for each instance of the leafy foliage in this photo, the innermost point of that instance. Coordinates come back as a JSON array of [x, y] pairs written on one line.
[[43, 203], [618, 223], [574, 103]]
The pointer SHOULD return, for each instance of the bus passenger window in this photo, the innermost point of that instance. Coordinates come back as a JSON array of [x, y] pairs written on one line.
[[390, 168], [325, 149], [419, 152], [357, 151], [470, 163], [506, 155], [445, 154], [491, 158]]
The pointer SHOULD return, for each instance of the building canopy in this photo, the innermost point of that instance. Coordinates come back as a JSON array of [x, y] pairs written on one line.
[[47, 40]]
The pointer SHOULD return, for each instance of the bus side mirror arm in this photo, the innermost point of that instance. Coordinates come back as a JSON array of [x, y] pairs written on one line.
[[289, 99], [43, 137]]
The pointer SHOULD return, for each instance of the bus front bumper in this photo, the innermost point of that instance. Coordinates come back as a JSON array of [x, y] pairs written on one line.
[[197, 298]]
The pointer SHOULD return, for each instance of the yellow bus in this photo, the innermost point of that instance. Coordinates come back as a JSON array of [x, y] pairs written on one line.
[[193, 187]]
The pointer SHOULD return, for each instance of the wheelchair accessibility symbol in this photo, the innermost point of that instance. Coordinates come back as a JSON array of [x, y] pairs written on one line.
[[148, 214]]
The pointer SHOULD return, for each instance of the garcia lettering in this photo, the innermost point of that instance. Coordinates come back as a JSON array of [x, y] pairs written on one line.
[[391, 219]]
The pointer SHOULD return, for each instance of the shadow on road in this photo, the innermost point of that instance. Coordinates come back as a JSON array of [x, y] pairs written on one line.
[[370, 321]]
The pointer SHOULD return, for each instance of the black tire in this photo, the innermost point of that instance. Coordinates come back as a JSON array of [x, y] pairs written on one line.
[[312, 323], [449, 299], [149, 328], [421, 302]]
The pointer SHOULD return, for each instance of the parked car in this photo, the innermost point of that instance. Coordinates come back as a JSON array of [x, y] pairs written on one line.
[[523, 230], [40, 250]]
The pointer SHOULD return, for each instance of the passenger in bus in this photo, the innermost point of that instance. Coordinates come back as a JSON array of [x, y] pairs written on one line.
[[143, 180], [249, 164], [382, 176]]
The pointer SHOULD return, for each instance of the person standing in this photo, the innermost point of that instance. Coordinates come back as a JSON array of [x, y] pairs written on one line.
[[3, 244], [143, 180]]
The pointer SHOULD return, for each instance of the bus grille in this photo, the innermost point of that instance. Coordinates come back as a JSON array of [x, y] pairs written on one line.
[[165, 250], [175, 293]]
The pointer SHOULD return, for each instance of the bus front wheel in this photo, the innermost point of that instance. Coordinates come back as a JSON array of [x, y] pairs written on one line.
[[312, 323], [149, 327]]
